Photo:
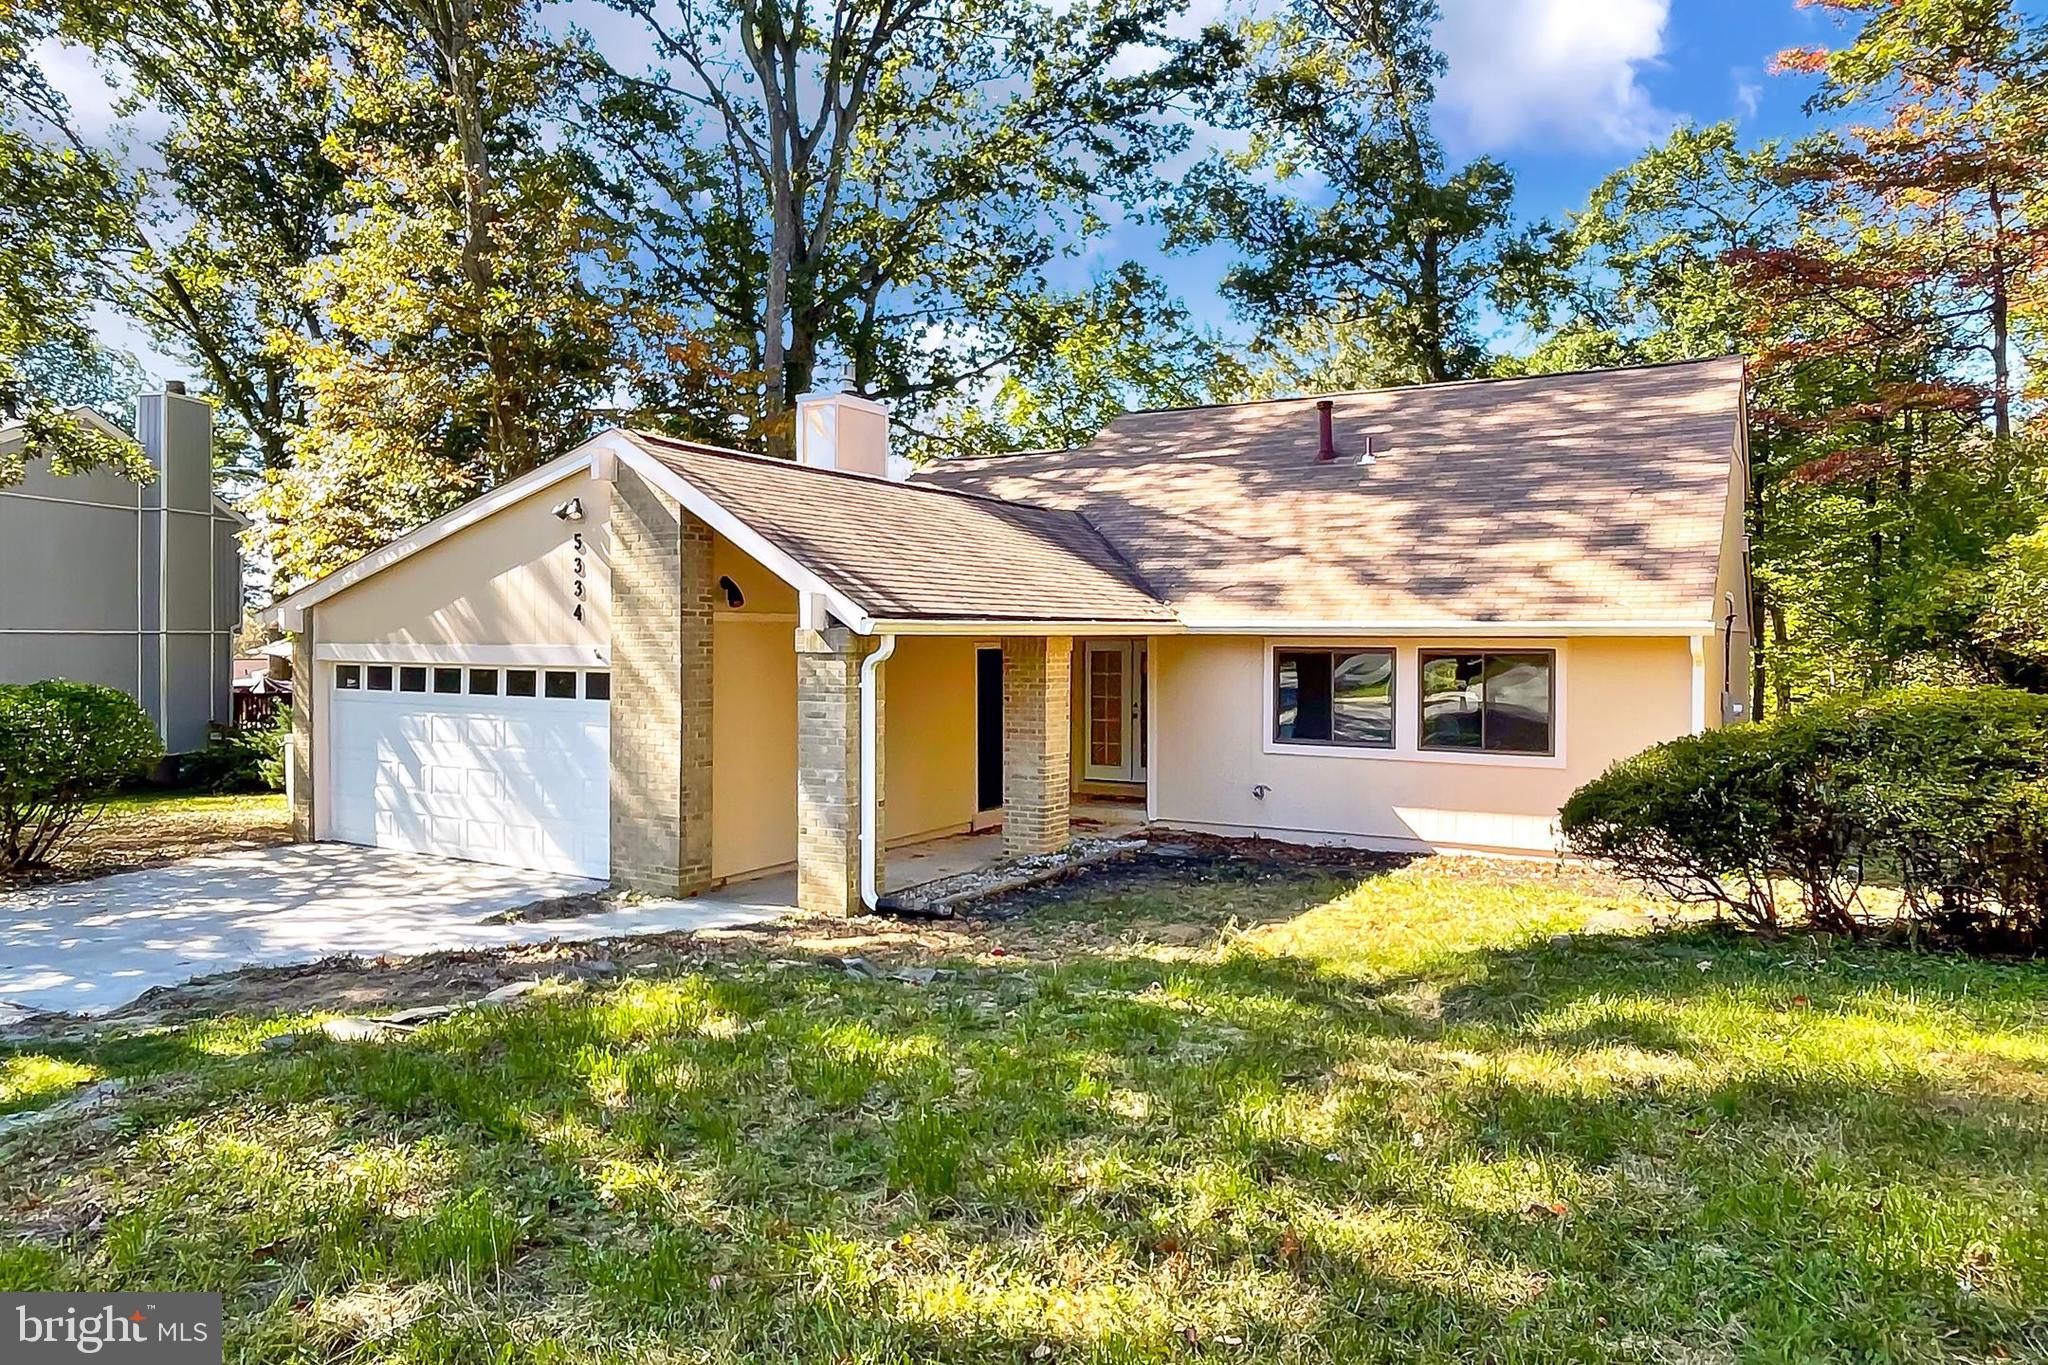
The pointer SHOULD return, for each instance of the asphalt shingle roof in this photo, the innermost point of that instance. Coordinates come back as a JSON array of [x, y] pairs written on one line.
[[906, 551], [1596, 497]]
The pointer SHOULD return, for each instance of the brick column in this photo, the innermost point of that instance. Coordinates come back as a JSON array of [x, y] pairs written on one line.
[[828, 770], [662, 592], [1037, 780], [305, 682]]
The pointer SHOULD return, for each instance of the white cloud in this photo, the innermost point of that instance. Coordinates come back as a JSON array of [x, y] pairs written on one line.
[[1749, 93], [1549, 72]]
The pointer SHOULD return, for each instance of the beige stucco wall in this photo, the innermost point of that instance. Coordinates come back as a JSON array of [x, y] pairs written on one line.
[[1728, 659], [928, 737], [1209, 749], [507, 580], [753, 720]]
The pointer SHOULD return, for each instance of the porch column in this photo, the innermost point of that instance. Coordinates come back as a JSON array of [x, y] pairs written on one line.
[[828, 770], [1037, 743], [662, 592], [305, 684]]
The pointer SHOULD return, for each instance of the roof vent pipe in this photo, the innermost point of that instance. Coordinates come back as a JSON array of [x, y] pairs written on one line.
[[1326, 442]]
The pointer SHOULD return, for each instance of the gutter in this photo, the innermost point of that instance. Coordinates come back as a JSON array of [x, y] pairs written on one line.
[[870, 838]]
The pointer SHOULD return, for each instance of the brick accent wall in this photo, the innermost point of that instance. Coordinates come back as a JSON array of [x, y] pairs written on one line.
[[1037, 743], [828, 769], [662, 593], [305, 683]]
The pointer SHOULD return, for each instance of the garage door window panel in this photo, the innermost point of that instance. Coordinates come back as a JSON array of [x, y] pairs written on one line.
[[379, 677], [483, 682], [348, 677], [520, 682], [411, 679]]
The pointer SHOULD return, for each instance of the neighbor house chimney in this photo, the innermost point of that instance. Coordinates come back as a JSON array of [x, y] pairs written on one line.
[[1326, 440], [841, 431]]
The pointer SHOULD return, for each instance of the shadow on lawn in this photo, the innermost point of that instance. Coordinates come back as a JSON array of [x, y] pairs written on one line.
[[1550, 1148]]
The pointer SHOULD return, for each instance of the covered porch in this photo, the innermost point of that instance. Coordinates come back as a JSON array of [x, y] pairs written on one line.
[[907, 866], [812, 670]]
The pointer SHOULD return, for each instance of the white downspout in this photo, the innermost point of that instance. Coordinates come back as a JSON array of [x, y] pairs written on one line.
[[869, 843]]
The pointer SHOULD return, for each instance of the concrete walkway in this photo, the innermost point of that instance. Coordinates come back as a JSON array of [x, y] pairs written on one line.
[[88, 947]]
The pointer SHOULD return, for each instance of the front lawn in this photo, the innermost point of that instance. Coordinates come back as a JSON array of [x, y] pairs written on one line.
[[148, 828], [1188, 1111]]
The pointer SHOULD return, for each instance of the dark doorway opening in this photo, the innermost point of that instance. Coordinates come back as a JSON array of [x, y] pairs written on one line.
[[988, 729]]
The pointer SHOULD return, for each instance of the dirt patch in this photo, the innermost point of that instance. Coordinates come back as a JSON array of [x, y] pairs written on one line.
[[357, 986], [1174, 895], [947, 896], [129, 836], [1174, 858], [561, 907]]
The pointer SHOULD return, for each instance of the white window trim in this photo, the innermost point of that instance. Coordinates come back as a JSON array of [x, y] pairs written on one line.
[[395, 693], [482, 656], [1407, 746]]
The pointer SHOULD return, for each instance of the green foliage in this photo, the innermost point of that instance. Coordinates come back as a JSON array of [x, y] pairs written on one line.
[[1082, 359], [238, 759], [63, 747], [469, 298], [62, 207], [1946, 788], [872, 190], [1399, 249], [1641, 273]]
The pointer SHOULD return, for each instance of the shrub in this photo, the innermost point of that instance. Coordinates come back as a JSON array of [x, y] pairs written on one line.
[[238, 759], [63, 747], [1945, 789]]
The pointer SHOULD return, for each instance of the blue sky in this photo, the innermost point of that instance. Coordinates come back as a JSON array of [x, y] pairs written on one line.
[[1564, 91]]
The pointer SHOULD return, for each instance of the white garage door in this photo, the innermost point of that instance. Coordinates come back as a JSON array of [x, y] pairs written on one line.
[[499, 765]]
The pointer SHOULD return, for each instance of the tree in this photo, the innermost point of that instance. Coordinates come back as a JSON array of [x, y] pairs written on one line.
[[59, 206], [98, 377], [1885, 340], [1395, 259], [1643, 273], [1087, 358], [470, 298], [867, 188], [1954, 161], [240, 195]]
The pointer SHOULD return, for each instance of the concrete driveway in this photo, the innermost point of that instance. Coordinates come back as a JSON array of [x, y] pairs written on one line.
[[88, 947]]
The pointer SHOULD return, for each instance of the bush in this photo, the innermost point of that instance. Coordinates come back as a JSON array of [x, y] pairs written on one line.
[[1946, 790], [63, 747], [238, 760]]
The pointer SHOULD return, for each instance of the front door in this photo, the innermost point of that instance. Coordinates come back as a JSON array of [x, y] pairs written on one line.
[[988, 734], [1115, 716]]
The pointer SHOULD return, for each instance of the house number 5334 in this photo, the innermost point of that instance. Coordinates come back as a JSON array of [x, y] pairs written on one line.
[[576, 584]]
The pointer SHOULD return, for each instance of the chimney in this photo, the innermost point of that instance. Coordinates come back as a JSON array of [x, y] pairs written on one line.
[[841, 431], [1326, 440]]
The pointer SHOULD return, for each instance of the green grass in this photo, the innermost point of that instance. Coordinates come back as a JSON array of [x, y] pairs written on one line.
[[176, 803], [1454, 1112]]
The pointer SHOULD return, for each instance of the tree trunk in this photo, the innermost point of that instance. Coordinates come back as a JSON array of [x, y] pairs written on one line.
[[2001, 323], [1782, 682]]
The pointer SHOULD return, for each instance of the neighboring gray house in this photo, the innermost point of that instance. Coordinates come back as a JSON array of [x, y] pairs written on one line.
[[133, 586]]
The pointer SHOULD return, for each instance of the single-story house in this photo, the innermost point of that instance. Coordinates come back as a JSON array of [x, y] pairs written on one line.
[[1411, 619], [133, 586]]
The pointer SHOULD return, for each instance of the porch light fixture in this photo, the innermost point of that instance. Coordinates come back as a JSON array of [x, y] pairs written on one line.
[[572, 510]]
